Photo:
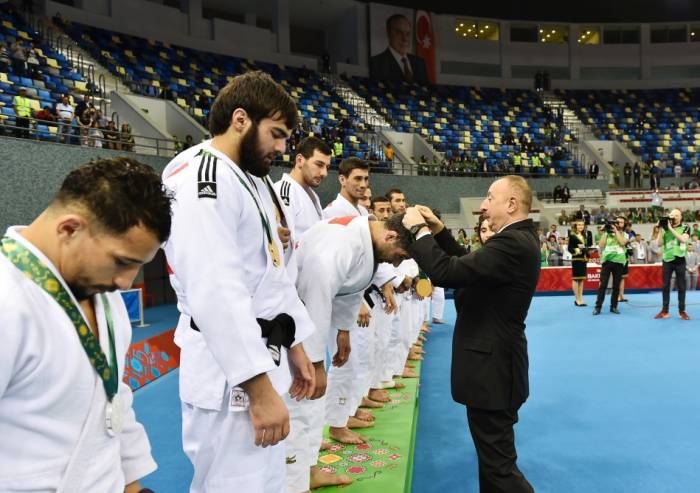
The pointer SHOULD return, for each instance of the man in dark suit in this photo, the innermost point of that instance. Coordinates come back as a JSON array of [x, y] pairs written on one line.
[[396, 64], [493, 289], [593, 171]]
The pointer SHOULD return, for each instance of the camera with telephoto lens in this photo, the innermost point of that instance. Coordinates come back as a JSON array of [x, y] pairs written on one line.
[[608, 227], [664, 222]]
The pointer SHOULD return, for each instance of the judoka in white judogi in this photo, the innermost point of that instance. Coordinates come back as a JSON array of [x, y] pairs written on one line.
[[336, 264], [303, 209], [52, 403], [225, 276]]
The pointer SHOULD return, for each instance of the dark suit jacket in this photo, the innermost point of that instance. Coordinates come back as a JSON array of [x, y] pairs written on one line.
[[493, 290], [384, 67]]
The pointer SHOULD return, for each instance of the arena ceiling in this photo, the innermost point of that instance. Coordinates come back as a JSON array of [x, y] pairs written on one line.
[[313, 13]]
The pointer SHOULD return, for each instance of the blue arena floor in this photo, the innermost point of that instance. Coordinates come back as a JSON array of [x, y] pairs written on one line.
[[613, 406]]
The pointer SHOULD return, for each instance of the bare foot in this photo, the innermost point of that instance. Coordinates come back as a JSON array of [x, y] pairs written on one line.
[[353, 422], [321, 478], [325, 445], [379, 396], [418, 348], [408, 373], [345, 435], [415, 357], [363, 415], [371, 403], [399, 385], [410, 365]]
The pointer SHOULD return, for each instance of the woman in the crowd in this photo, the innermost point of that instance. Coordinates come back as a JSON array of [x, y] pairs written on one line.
[[577, 249]]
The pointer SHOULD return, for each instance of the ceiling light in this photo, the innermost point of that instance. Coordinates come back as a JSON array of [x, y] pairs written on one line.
[[541, 31], [481, 31], [486, 27], [461, 24], [588, 32], [554, 31]]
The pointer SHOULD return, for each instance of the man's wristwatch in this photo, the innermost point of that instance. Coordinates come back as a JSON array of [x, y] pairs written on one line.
[[414, 229]]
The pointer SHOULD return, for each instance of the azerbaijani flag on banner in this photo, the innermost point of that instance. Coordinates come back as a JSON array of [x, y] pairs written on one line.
[[425, 42]]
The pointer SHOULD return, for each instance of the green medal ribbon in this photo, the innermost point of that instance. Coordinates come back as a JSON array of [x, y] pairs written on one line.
[[41, 275]]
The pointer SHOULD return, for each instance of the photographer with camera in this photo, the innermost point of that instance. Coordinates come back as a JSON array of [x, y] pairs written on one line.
[[613, 258], [673, 238]]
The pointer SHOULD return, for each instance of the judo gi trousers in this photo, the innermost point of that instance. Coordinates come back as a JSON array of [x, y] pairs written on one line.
[[345, 384], [382, 334], [438, 303], [304, 440], [221, 447]]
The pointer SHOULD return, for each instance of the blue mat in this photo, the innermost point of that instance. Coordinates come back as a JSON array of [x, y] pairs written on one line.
[[159, 319], [613, 404]]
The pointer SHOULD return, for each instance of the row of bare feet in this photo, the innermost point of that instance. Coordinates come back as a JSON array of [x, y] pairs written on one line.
[[363, 418]]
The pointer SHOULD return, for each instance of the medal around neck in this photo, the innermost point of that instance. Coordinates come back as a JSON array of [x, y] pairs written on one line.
[[114, 416], [275, 254]]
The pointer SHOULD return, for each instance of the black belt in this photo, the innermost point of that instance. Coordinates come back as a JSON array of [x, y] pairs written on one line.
[[279, 332], [368, 295]]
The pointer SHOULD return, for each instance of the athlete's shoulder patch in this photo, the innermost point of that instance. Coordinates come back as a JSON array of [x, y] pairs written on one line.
[[206, 176], [284, 192], [344, 221]]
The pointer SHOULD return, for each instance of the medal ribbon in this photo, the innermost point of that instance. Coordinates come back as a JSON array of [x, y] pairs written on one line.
[[41, 275]]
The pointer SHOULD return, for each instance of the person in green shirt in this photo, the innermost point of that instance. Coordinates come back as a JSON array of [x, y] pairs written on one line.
[[613, 259], [673, 238]]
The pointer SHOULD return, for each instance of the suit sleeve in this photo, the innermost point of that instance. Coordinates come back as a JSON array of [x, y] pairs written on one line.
[[491, 264], [204, 256], [447, 242]]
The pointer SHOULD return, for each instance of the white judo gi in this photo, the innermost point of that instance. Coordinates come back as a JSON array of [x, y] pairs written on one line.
[[343, 382], [438, 299], [406, 325], [382, 324], [303, 210], [336, 265], [52, 403], [224, 278]]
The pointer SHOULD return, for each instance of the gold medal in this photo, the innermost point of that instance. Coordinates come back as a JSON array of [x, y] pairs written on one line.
[[424, 288], [274, 253]]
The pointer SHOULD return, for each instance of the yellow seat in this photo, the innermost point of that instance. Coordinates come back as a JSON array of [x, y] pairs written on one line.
[[34, 104], [3, 78], [106, 54], [8, 24], [155, 83], [198, 112], [81, 86], [116, 39], [181, 102], [149, 70], [52, 63]]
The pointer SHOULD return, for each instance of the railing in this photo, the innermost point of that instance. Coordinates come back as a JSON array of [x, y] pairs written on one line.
[[78, 135]]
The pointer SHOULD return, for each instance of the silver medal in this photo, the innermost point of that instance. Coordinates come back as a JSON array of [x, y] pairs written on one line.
[[114, 416]]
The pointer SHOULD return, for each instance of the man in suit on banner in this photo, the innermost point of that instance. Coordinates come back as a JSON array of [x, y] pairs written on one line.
[[396, 64], [493, 286]]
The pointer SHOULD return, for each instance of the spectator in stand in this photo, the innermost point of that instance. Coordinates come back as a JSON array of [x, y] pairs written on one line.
[[127, 140], [637, 174], [84, 123], [389, 152], [627, 173], [463, 239], [657, 205], [583, 215], [111, 136], [654, 250], [677, 172], [654, 177], [554, 258], [189, 142], [556, 194], [639, 250], [95, 135], [563, 218], [691, 267], [553, 231], [33, 62], [593, 171], [565, 194], [19, 59], [601, 216], [695, 233], [5, 61], [23, 110], [565, 254], [45, 116], [483, 230], [64, 115]]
